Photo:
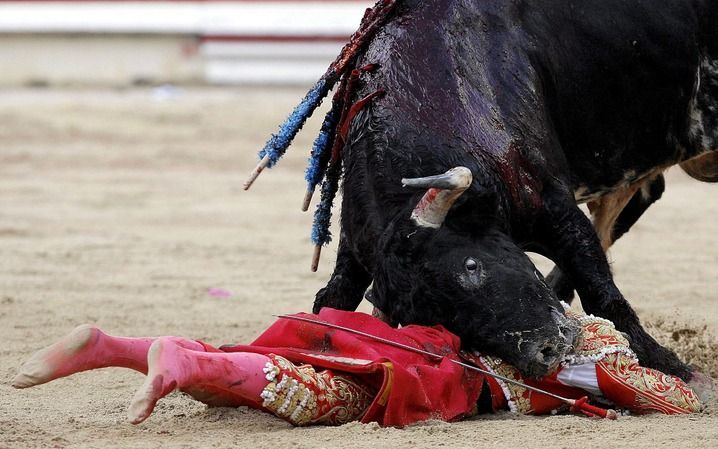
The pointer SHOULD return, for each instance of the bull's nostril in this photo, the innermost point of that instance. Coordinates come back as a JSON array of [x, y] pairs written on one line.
[[549, 354]]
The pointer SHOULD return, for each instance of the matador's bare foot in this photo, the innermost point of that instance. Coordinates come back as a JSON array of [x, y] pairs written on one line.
[[59, 359]]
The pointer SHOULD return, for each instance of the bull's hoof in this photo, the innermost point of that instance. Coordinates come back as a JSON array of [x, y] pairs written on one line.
[[703, 168], [703, 385]]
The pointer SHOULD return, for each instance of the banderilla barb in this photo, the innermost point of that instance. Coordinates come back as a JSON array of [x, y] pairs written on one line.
[[577, 404], [374, 19]]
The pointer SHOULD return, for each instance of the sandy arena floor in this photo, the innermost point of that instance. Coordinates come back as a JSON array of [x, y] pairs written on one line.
[[122, 208]]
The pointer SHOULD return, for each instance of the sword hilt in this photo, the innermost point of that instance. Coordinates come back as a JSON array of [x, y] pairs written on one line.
[[582, 405]]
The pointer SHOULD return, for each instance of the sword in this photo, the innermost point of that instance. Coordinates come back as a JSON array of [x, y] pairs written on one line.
[[578, 404]]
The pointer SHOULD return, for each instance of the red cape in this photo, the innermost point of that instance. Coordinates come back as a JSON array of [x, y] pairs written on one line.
[[411, 387]]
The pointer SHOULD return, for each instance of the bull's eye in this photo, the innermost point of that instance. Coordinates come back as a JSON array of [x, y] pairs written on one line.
[[471, 265]]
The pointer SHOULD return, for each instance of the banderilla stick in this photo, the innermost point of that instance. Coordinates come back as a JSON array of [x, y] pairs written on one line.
[[577, 404]]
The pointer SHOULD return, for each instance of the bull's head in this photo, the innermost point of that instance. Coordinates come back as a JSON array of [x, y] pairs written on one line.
[[473, 279]]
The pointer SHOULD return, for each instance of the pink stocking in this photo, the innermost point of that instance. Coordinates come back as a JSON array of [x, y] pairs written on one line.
[[215, 378], [87, 348]]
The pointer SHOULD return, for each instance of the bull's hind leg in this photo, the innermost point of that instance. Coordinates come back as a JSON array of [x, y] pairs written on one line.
[[703, 131], [347, 285], [613, 216], [576, 248], [649, 193], [703, 168]]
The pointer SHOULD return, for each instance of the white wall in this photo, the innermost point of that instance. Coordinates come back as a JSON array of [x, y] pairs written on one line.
[[116, 60], [85, 42], [223, 17]]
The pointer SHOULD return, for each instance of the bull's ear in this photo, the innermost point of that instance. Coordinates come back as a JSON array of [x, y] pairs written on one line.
[[443, 191]]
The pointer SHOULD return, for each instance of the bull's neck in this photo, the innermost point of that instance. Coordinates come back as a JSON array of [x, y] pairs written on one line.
[[516, 188]]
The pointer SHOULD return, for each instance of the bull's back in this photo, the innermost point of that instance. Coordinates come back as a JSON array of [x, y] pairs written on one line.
[[621, 79], [450, 70], [611, 81]]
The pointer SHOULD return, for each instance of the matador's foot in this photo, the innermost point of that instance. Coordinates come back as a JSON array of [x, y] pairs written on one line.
[[214, 378], [158, 383], [60, 359]]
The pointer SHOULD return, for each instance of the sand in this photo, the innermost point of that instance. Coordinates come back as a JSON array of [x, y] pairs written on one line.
[[122, 208]]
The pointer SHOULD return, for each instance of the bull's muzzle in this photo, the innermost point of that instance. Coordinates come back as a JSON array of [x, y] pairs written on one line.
[[546, 355]]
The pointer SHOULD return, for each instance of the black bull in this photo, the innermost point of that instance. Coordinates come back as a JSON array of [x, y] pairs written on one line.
[[548, 104]]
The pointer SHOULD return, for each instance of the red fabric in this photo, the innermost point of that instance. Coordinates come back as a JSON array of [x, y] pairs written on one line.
[[412, 387], [643, 390], [542, 404]]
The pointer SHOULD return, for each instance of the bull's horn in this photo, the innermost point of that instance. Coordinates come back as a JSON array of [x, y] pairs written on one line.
[[443, 191]]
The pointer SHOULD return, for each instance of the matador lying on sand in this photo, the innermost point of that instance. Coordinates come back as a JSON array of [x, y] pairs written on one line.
[[308, 374]]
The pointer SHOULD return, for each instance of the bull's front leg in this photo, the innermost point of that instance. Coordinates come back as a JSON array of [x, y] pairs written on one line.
[[345, 290], [576, 249]]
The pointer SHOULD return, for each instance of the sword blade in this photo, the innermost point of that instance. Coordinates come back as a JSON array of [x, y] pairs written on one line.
[[427, 353]]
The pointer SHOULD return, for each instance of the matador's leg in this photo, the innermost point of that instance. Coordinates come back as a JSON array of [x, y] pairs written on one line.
[[215, 378], [298, 394], [304, 396], [86, 348]]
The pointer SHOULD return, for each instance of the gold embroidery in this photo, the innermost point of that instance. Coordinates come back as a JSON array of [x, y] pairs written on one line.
[[598, 338], [302, 396], [383, 398], [654, 391], [519, 397]]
